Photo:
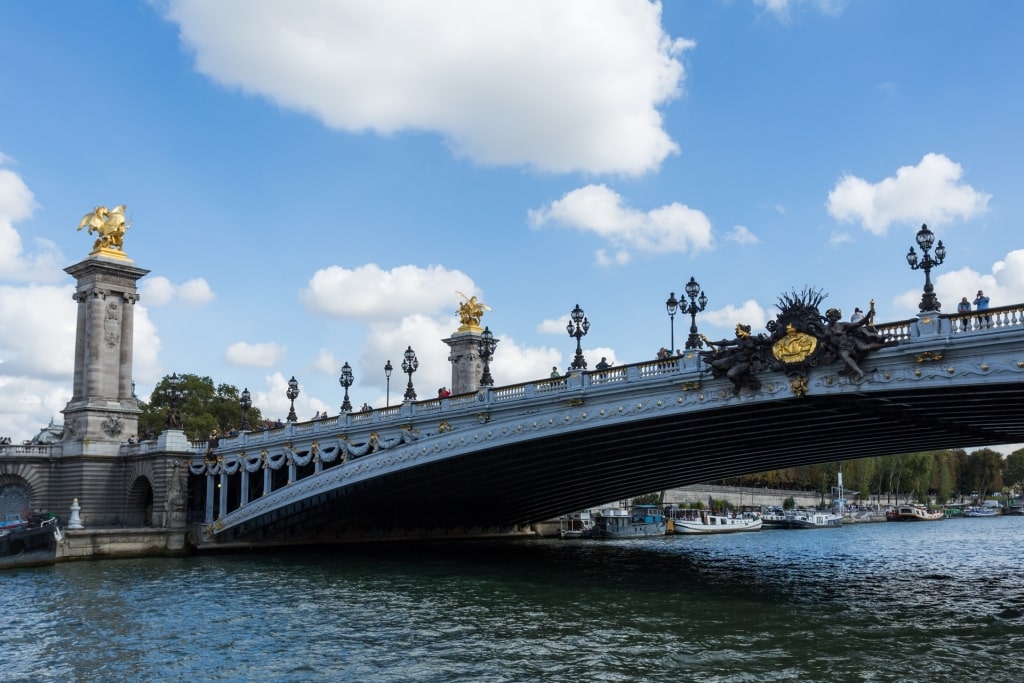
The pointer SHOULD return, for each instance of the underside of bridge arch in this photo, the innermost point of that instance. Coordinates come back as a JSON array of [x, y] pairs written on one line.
[[535, 480]]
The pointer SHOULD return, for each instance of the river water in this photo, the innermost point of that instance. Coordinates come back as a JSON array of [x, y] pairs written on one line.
[[941, 601]]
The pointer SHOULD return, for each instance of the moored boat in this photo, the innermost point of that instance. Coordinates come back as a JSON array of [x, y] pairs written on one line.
[[29, 543], [980, 511], [706, 522], [801, 519], [576, 525], [640, 520], [915, 513]]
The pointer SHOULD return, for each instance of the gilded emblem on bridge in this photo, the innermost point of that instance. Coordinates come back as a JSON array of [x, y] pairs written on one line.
[[795, 347], [800, 338]]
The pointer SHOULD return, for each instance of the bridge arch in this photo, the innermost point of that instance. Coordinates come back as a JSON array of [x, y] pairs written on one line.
[[139, 495], [507, 456], [139, 503]]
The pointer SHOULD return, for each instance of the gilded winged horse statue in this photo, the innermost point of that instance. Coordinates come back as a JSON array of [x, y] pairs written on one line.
[[470, 311], [109, 224]]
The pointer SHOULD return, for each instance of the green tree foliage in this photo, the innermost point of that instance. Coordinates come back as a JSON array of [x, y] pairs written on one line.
[[204, 407], [983, 472], [939, 475], [1013, 468]]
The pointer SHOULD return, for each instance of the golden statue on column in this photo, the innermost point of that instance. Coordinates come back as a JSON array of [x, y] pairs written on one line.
[[110, 225], [470, 311]]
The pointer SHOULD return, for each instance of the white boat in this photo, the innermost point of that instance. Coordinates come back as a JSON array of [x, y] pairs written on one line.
[[916, 513], [801, 519], [705, 522], [640, 520], [576, 525], [980, 511]]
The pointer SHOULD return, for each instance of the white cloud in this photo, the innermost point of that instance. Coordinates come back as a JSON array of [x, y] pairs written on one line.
[[159, 291], [156, 291], [782, 9], [195, 293], [1004, 285], [674, 228], [840, 237], [326, 362], [27, 404], [146, 366], [367, 292], [263, 355], [37, 331], [619, 258], [930, 192], [749, 313], [741, 235], [556, 326], [566, 86], [18, 203]]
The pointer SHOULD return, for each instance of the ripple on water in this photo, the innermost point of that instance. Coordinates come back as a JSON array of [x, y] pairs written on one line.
[[871, 602]]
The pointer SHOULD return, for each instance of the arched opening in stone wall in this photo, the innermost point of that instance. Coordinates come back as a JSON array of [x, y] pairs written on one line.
[[14, 497], [139, 506], [196, 498]]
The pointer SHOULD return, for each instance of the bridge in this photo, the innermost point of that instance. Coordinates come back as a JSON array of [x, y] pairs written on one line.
[[503, 457]]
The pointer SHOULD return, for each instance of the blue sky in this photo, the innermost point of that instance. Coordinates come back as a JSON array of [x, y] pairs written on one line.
[[311, 182]]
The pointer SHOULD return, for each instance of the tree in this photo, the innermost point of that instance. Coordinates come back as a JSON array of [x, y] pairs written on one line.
[[984, 471], [1013, 468], [203, 407]]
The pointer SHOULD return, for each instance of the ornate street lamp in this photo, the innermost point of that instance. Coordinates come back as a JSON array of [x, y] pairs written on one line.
[[246, 402], [292, 394], [387, 376], [577, 327], [697, 304], [486, 347], [925, 238], [346, 381], [409, 366], [172, 394], [672, 305]]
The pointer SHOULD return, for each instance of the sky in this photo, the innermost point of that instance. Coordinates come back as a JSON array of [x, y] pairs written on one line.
[[315, 182]]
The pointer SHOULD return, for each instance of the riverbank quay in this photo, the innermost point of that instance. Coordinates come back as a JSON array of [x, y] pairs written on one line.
[[132, 543], [94, 544]]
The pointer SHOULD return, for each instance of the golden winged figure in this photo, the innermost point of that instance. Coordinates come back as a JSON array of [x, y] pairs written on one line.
[[109, 224], [470, 311]]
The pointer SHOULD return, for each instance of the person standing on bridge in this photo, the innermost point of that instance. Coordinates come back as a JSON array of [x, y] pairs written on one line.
[[981, 303], [555, 374], [604, 364], [963, 308]]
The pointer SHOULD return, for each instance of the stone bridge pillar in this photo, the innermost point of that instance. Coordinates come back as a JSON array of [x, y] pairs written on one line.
[[467, 366], [102, 411]]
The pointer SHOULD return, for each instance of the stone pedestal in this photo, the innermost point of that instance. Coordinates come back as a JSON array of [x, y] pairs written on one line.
[[173, 440], [102, 411], [467, 366], [931, 324]]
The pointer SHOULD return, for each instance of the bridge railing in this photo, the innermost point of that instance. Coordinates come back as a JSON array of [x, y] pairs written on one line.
[[948, 325], [30, 449], [993, 318], [956, 323]]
